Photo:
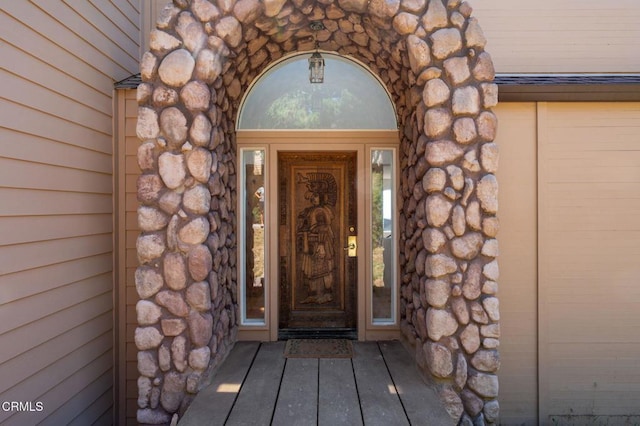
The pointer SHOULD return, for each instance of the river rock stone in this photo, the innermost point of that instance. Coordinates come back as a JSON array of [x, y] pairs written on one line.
[[458, 221], [440, 153], [446, 42], [179, 353], [436, 92], [230, 30], [405, 23], [434, 180], [197, 200], [487, 191], [196, 96], [489, 157], [492, 307], [491, 270], [492, 411], [486, 360], [199, 358], [487, 125], [437, 121], [147, 338], [199, 296], [470, 338], [437, 292], [160, 41], [147, 126], [195, 231], [485, 385], [175, 271], [484, 71], [468, 246], [437, 208], [436, 16], [173, 326], [148, 282], [174, 303], [150, 247], [147, 365], [176, 68], [419, 53], [439, 265], [151, 219], [147, 312], [199, 164], [200, 328], [466, 100], [172, 169], [460, 309], [173, 391], [457, 69], [439, 359], [464, 130], [440, 323], [433, 240], [472, 403]]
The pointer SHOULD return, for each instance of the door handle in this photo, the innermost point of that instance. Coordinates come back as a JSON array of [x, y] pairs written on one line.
[[352, 246]]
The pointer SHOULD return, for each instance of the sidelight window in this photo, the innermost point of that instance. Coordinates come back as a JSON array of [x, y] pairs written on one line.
[[252, 232], [383, 236]]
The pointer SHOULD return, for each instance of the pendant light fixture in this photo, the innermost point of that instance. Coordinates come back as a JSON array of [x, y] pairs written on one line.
[[316, 61]]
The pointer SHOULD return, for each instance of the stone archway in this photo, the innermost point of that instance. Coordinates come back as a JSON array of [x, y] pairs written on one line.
[[203, 55]]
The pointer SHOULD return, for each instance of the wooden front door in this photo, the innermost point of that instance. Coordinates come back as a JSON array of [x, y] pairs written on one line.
[[316, 217]]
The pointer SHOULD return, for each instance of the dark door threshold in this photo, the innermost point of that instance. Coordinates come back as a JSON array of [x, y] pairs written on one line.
[[317, 333]]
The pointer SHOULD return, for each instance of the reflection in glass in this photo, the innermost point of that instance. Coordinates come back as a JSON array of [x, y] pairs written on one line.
[[349, 98], [253, 295], [383, 246]]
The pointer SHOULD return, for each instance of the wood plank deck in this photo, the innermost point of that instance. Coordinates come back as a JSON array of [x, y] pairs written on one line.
[[257, 385]]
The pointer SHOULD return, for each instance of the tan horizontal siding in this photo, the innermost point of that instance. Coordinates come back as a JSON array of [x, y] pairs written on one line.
[[24, 119], [590, 246], [65, 27], [517, 176], [21, 229], [46, 151], [132, 171], [35, 202], [29, 175], [561, 36], [52, 276], [56, 216], [127, 225]]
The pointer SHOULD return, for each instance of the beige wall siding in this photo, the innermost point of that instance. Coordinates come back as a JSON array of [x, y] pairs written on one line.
[[60, 60], [127, 223], [561, 36], [589, 182], [518, 263], [569, 247]]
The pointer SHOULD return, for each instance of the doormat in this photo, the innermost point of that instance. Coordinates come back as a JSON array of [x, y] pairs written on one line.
[[318, 348]]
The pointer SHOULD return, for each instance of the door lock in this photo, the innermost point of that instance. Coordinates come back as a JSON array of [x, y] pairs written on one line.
[[352, 246]]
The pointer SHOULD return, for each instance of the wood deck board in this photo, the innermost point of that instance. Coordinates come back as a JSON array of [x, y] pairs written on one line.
[[338, 402], [378, 398], [220, 395], [256, 402], [256, 385], [298, 399], [420, 402]]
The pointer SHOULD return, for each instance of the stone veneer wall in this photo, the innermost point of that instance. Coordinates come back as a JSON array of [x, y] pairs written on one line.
[[203, 55]]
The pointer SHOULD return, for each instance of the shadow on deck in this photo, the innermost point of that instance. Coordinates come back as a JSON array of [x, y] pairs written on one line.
[[257, 385]]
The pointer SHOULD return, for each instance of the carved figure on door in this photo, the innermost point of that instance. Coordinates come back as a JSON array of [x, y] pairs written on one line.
[[316, 239]]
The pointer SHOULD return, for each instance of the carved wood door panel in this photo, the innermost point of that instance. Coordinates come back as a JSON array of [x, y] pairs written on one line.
[[317, 214]]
